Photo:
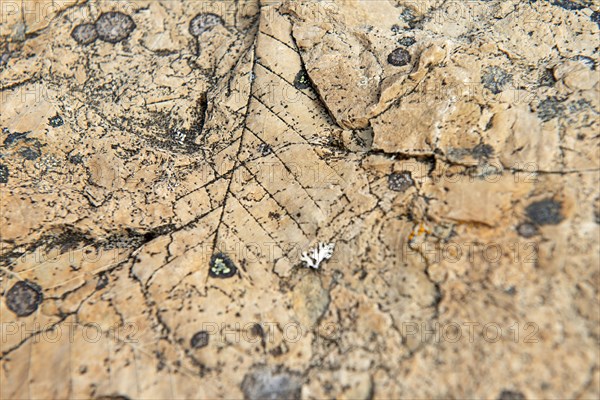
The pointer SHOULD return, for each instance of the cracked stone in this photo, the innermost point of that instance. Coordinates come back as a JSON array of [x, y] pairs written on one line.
[[161, 167]]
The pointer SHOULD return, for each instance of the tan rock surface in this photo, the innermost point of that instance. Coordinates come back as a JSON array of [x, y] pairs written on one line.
[[159, 184]]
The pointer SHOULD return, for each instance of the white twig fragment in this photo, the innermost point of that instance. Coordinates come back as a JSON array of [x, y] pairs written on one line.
[[324, 251]]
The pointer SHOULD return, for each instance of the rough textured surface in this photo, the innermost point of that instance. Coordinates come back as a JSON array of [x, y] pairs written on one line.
[[460, 188]]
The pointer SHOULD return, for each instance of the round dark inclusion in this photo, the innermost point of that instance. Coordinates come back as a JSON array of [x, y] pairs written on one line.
[[24, 298], [221, 266], [199, 340]]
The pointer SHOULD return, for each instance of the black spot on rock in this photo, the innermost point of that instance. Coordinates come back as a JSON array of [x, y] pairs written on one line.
[[257, 331], [221, 266], [76, 159], [24, 298], [495, 79], [587, 61], [399, 57], [13, 138], [102, 282], [411, 19], [399, 182], [482, 151], [264, 384], [511, 395], [550, 108], [204, 22], [55, 121], [595, 17], [29, 153], [301, 80], [85, 33], [264, 149], [199, 340], [527, 230], [407, 41], [3, 173], [545, 212], [572, 4], [114, 26], [547, 78], [458, 153]]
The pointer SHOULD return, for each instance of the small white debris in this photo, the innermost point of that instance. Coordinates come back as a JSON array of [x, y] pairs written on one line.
[[180, 137], [323, 251]]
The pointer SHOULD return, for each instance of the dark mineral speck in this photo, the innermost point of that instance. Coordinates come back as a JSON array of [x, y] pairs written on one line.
[[550, 108], [407, 41], [84, 33], [221, 266], [545, 212], [30, 153], [572, 5], [495, 79], [114, 26], [264, 149], [511, 395], [511, 291], [204, 22], [199, 340], [595, 17], [55, 121], [301, 81], [76, 159], [411, 19], [399, 182], [547, 77], [587, 61], [102, 282], [257, 331], [3, 173], [399, 57], [24, 298], [527, 230], [13, 138], [482, 151]]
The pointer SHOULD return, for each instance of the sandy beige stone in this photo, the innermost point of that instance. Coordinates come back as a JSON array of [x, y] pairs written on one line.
[[460, 190]]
